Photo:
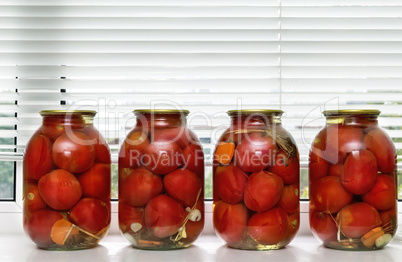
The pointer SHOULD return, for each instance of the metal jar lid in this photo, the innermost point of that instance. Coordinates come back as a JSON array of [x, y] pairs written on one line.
[[161, 111], [351, 112], [65, 112], [274, 112]]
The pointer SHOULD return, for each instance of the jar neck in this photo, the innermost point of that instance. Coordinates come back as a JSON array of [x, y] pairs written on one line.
[[365, 119], [67, 119], [253, 120], [161, 120]]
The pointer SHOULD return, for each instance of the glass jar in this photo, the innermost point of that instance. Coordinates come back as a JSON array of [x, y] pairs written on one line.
[[66, 182], [161, 182], [353, 182], [256, 182]]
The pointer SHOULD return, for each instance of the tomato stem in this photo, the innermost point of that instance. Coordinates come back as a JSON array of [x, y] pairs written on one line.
[[280, 137], [182, 230]]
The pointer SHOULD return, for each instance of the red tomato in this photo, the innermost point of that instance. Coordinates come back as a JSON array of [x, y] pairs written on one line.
[[319, 143], [38, 157], [140, 186], [290, 200], [232, 137], [380, 144], [357, 219], [288, 168], [262, 191], [102, 150], [123, 174], [179, 135], [317, 166], [270, 227], [194, 228], [193, 159], [350, 138], [341, 140], [164, 216], [91, 214], [162, 157], [60, 189], [255, 152], [389, 218], [229, 183], [56, 125], [323, 226], [293, 225], [32, 199], [383, 194], [360, 172], [183, 185], [230, 221], [95, 182], [53, 131], [215, 194], [130, 218], [336, 170], [73, 152], [39, 226], [131, 151], [320, 149], [328, 194]]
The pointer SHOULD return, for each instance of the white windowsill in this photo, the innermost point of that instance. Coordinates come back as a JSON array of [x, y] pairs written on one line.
[[114, 247], [15, 246]]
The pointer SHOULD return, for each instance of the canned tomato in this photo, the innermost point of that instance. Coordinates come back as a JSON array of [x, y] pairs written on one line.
[[161, 182], [66, 170], [353, 182], [256, 182]]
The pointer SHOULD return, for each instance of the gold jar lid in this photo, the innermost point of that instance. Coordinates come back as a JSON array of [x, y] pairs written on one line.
[[64, 112], [346, 112], [161, 111], [275, 112]]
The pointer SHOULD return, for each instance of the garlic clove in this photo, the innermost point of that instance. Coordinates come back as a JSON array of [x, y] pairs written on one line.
[[383, 240], [136, 227], [130, 238], [195, 215]]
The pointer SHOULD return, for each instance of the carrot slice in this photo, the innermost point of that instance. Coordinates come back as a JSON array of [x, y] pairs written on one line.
[[62, 230], [369, 238], [103, 230], [224, 152]]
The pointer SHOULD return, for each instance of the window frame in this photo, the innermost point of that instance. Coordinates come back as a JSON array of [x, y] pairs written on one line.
[[14, 207]]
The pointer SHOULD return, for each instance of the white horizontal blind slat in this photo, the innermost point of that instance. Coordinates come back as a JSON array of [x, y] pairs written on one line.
[[224, 35], [147, 3], [133, 72], [344, 23], [138, 47], [137, 59], [249, 22], [138, 11]]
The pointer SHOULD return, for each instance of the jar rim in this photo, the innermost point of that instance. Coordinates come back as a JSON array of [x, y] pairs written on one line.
[[161, 111], [59, 112], [351, 112], [276, 112]]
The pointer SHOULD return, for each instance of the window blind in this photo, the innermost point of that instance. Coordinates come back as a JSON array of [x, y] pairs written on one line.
[[301, 56]]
